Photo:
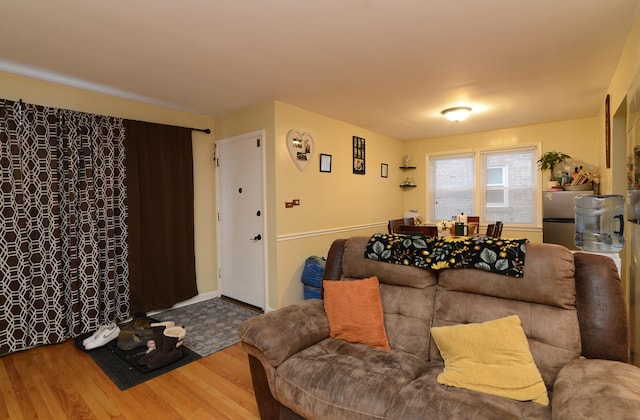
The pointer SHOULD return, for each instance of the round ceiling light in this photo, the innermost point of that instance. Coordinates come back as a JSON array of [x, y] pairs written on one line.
[[456, 114]]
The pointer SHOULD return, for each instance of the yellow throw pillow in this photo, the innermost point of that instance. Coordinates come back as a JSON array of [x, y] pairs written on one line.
[[354, 311], [491, 357]]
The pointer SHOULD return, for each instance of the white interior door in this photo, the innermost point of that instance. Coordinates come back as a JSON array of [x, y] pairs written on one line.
[[241, 242]]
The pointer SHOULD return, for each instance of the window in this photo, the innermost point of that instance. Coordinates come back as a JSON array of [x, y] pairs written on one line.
[[452, 185], [493, 184], [495, 193]]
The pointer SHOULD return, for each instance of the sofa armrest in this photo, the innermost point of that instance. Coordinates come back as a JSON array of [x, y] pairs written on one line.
[[333, 267], [596, 389], [284, 332], [602, 309]]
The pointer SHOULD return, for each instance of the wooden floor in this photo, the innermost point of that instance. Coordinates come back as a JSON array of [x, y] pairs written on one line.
[[61, 382]]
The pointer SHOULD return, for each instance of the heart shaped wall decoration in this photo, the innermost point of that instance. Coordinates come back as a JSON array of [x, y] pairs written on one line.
[[301, 147]]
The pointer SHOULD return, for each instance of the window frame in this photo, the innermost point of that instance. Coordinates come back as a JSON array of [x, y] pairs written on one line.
[[480, 188], [431, 178]]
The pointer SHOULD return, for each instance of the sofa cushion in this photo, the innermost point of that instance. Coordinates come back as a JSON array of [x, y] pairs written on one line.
[[354, 311], [544, 299], [407, 317], [340, 380], [597, 389], [407, 293], [355, 265], [491, 357], [548, 279], [425, 398]]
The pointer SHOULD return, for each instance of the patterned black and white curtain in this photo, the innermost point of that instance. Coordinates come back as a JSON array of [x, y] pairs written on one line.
[[63, 232]]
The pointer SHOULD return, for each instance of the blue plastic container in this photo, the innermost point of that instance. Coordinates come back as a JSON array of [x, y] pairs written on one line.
[[312, 277]]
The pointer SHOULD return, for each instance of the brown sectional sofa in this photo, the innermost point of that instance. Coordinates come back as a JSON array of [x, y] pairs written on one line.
[[571, 307]]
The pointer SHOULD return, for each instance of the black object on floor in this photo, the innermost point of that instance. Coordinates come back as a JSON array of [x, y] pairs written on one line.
[[122, 368]]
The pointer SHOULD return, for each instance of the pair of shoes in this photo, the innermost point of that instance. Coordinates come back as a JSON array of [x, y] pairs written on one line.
[[105, 334], [168, 340], [139, 320], [157, 328], [95, 334], [135, 333]]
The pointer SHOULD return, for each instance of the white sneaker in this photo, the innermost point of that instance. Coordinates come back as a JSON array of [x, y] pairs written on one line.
[[99, 331], [108, 334]]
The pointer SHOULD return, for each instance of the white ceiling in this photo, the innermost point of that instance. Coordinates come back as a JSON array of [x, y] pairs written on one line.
[[387, 66]]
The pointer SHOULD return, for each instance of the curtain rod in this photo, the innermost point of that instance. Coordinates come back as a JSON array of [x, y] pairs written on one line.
[[203, 130]]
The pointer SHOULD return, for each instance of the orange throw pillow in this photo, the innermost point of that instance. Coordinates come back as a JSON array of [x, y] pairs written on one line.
[[354, 311]]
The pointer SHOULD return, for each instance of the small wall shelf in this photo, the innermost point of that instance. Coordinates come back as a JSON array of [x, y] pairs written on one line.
[[408, 185], [407, 167]]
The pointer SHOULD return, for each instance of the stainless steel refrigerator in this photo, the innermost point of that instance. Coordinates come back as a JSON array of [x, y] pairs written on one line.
[[558, 217]]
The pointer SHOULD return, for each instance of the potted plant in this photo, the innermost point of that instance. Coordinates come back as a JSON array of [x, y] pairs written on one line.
[[549, 160]]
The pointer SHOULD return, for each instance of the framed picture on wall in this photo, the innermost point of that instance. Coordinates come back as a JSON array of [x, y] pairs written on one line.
[[301, 147], [325, 162], [358, 155], [384, 170]]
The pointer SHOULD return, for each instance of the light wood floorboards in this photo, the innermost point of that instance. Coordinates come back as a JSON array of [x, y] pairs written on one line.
[[61, 382]]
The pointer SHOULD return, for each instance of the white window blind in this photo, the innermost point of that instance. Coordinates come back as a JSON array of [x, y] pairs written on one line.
[[453, 186]]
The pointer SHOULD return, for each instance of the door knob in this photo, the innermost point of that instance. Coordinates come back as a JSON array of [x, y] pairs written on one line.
[[257, 237]]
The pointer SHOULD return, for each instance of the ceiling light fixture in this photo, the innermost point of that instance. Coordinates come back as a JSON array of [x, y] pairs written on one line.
[[456, 114]]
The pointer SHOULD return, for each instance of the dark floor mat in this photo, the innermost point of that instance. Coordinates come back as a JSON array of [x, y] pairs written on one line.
[[122, 367]]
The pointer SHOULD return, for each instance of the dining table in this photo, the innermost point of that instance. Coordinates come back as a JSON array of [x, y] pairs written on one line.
[[429, 230]]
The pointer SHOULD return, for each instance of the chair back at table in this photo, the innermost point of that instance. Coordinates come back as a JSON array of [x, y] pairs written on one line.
[[494, 230], [474, 225], [394, 224], [498, 230]]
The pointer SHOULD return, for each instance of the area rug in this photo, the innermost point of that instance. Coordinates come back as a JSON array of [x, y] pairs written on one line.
[[211, 325]]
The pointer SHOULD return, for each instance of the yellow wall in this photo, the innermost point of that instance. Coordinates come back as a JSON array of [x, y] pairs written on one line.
[[578, 138], [332, 205], [627, 68], [49, 94], [303, 231], [340, 204], [340, 198]]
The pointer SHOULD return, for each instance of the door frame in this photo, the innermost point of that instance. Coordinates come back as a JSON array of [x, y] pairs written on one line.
[[261, 134]]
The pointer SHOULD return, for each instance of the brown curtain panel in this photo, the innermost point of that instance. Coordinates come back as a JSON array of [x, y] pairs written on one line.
[[159, 164]]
